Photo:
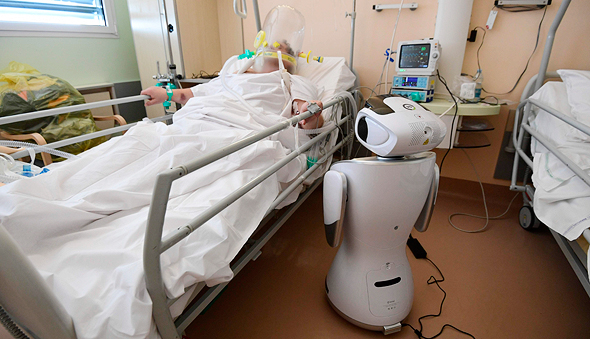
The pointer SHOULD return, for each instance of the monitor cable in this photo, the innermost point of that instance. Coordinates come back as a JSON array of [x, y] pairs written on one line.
[[451, 138], [529, 59], [485, 205]]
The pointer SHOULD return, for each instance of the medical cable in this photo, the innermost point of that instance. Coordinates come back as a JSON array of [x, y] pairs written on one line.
[[253, 110], [451, 139], [528, 61], [387, 55], [481, 44], [37, 148], [420, 253], [487, 217], [226, 66]]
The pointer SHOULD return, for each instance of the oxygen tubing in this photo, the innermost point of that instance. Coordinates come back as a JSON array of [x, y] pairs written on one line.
[[37, 148]]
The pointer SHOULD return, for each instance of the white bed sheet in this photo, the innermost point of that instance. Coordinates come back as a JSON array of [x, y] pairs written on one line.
[[561, 200], [82, 224]]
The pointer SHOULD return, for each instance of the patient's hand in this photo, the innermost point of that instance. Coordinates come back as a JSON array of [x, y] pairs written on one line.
[[158, 95], [316, 120]]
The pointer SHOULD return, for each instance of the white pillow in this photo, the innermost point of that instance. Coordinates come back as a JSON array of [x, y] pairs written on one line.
[[578, 95], [332, 76]]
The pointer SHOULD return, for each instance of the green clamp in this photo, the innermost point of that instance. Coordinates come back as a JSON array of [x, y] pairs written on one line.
[[247, 54]]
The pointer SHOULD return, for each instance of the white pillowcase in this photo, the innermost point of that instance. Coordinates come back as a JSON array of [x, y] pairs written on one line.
[[578, 95]]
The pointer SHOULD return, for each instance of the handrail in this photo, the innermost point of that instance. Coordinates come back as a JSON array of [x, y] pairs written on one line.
[[69, 109], [243, 14], [175, 236], [84, 137], [524, 126], [154, 245]]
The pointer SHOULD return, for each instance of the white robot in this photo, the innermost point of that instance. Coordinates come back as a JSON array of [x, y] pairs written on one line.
[[374, 202]]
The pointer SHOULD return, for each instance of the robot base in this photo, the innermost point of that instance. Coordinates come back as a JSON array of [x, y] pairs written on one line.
[[370, 280], [385, 329]]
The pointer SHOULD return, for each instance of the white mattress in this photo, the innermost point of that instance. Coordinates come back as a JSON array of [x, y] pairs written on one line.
[[561, 200]]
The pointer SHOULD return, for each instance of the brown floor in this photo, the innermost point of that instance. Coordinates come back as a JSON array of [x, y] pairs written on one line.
[[502, 283]]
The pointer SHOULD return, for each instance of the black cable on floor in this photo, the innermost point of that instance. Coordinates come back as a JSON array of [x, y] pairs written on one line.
[[413, 243]]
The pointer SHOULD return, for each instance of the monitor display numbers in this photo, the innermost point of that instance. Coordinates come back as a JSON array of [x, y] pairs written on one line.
[[414, 56]]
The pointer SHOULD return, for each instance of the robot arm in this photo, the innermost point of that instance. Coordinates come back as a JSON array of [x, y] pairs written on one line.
[[334, 205], [424, 218]]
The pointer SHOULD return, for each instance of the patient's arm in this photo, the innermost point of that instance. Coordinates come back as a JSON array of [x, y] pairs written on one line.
[[159, 95], [316, 120]]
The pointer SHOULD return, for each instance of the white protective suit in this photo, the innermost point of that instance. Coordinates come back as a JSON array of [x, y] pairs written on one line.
[[82, 224]]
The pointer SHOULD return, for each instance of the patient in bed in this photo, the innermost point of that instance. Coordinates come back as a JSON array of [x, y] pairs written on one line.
[[82, 224], [278, 56]]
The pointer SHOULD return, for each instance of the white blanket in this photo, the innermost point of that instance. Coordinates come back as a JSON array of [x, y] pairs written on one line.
[[82, 224], [561, 200]]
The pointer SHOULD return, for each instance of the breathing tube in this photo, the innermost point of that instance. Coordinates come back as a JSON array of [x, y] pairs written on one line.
[[12, 170], [10, 326], [37, 148]]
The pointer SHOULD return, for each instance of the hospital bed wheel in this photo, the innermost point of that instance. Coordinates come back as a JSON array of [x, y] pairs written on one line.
[[527, 218]]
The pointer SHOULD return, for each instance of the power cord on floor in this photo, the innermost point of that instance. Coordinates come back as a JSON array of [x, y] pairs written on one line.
[[420, 253], [485, 205]]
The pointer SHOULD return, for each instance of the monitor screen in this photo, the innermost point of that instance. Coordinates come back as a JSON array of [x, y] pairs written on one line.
[[414, 56]]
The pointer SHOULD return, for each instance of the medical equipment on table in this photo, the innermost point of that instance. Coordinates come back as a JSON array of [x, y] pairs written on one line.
[[416, 65], [557, 128], [374, 203]]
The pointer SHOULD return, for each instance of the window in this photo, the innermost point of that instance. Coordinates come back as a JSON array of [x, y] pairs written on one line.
[[73, 18]]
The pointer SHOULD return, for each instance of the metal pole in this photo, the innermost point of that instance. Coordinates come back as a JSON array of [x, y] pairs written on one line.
[[549, 43], [352, 29], [257, 15], [166, 34]]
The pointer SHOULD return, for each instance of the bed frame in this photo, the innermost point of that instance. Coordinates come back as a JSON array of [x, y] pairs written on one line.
[[571, 249], [26, 287], [29, 288]]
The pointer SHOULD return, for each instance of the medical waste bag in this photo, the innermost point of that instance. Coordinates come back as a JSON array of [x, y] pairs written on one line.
[[23, 89]]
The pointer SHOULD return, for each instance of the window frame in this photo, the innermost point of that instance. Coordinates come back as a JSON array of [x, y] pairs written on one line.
[[62, 30]]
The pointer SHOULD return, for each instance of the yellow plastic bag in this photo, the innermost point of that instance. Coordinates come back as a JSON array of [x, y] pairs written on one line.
[[23, 89]]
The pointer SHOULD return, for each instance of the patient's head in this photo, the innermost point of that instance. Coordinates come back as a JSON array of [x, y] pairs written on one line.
[[284, 28]]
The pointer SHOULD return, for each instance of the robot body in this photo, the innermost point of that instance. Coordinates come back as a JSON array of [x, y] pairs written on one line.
[[374, 203], [370, 280]]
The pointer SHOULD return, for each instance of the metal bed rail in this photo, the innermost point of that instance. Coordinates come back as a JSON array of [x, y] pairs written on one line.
[[61, 321], [154, 245], [69, 109]]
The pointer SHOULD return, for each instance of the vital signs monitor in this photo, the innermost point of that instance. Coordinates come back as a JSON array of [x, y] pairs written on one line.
[[417, 57]]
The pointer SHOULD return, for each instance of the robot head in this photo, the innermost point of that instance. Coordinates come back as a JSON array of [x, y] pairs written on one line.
[[283, 31], [392, 126]]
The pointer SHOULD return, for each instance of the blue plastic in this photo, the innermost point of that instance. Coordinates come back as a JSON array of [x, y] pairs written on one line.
[[388, 54]]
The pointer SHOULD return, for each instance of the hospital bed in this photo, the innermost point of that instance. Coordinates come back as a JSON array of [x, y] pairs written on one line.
[[27, 291], [554, 120]]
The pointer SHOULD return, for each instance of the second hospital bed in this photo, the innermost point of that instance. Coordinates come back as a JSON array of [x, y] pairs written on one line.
[[102, 293], [555, 118]]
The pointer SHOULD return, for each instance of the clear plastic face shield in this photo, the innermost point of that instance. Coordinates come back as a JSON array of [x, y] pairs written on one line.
[[282, 34]]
